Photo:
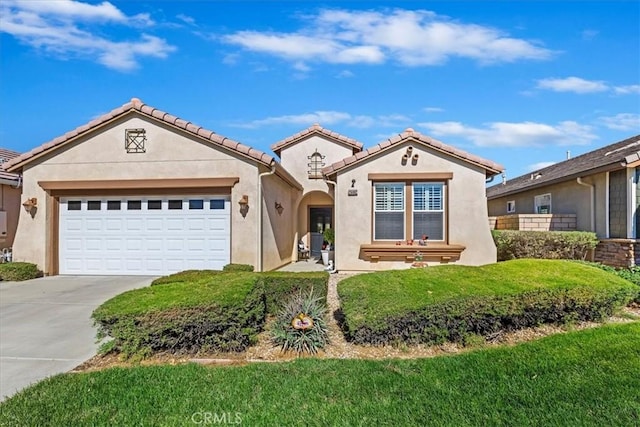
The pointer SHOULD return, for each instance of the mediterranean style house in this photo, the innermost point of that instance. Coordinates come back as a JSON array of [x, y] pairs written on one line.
[[598, 191], [140, 191]]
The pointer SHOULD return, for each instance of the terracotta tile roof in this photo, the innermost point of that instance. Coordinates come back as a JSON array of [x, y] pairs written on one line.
[[316, 129], [137, 105], [610, 157], [6, 155], [491, 168]]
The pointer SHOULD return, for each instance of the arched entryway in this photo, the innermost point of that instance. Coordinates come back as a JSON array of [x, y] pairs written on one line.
[[315, 214]]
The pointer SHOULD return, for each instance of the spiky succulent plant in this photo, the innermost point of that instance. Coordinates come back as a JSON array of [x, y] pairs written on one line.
[[300, 324]]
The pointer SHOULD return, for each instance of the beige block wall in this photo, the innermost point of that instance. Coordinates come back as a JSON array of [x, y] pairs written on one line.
[[294, 159], [534, 222], [566, 198], [467, 207], [169, 154], [12, 205]]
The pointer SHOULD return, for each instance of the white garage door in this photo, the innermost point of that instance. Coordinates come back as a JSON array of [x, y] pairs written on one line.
[[143, 235]]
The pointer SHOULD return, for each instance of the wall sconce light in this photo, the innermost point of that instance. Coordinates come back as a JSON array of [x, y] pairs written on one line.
[[279, 208], [244, 205], [30, 204], [353, 183]]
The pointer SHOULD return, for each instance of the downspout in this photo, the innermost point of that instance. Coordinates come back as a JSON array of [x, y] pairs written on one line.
[[329, 182], [259, 240], [592, 198]]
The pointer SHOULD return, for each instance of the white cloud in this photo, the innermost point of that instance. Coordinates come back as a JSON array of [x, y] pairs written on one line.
[[66, 29], [186, 19], [623, 122], [539, 165], [325, 118], [573, 84], [409, 38], [433, 110], [522, 134], [589, 34], [625, 90], [345, 74]]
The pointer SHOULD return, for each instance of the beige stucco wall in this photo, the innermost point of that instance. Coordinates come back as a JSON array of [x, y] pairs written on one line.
[[467, 207], [170, 153], [567, 197], [278, 229], [11, 204], [294, 159]]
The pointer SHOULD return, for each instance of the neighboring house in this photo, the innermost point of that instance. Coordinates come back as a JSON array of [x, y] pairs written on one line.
[[9, 202], [599, 190], [139, 191]]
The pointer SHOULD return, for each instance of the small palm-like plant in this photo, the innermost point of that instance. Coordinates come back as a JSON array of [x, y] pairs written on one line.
[[300, 325]]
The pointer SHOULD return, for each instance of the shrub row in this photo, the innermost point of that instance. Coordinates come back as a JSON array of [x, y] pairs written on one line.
[[457, 302], [456, 320], [197, 311], [631, 274], [513, 244], [18, 271]]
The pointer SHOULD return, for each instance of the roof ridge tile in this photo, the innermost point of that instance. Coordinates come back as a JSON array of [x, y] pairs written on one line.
[[147, 110]]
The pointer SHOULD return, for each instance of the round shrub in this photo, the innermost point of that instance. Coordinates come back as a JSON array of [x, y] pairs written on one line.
[[18, 271]]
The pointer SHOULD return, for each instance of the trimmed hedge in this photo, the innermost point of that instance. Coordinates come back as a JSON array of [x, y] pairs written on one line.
[[198, 311], [19, 271], [238, 267], [512, 244], [210, 315], [455, 303], [631, 274]]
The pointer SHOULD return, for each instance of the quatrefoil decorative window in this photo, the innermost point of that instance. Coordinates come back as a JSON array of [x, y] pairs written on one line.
[[134, 140]]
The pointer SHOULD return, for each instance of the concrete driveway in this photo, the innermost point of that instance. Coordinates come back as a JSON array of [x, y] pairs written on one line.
[[46, 327]]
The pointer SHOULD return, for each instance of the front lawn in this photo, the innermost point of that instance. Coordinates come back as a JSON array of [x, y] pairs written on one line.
[[588, 378], [449, 302]]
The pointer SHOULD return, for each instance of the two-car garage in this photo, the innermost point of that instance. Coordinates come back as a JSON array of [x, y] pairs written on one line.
[[135, 235]]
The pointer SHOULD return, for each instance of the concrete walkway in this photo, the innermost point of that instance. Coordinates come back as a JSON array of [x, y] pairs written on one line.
[[46, 327], [313, 264]]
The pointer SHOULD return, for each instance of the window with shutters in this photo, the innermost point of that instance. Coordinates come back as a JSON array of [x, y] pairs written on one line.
[[409, 210], [428, 210], [389, 211]]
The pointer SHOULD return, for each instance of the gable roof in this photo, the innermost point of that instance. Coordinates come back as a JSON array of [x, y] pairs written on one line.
[[610, 157], [136, 105], [316, 129], [409, 134]]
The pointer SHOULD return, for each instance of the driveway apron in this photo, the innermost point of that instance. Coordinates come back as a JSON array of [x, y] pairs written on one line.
[[46, 326]]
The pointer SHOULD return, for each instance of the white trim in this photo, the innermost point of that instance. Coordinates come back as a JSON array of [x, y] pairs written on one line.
[[442, 211], [631, 202], [606, 207]]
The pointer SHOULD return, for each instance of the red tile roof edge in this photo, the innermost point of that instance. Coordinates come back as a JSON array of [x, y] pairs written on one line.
[[137, 105], [316, 129], [409, 133]]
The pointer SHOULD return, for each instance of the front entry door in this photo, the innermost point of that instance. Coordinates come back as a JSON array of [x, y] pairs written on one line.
[[319, 220]]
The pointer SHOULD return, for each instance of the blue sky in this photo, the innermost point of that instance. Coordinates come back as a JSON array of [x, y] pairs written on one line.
[[517, 82]]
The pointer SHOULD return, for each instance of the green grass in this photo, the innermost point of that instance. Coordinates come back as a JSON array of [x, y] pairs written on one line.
[[368, 297], [222, 289], [586, 378]]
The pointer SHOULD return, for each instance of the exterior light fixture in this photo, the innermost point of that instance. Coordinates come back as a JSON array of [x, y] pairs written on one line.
[[279, 208], [30, 204]]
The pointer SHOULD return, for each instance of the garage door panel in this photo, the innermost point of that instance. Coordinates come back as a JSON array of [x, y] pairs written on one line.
[[144, 241]]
